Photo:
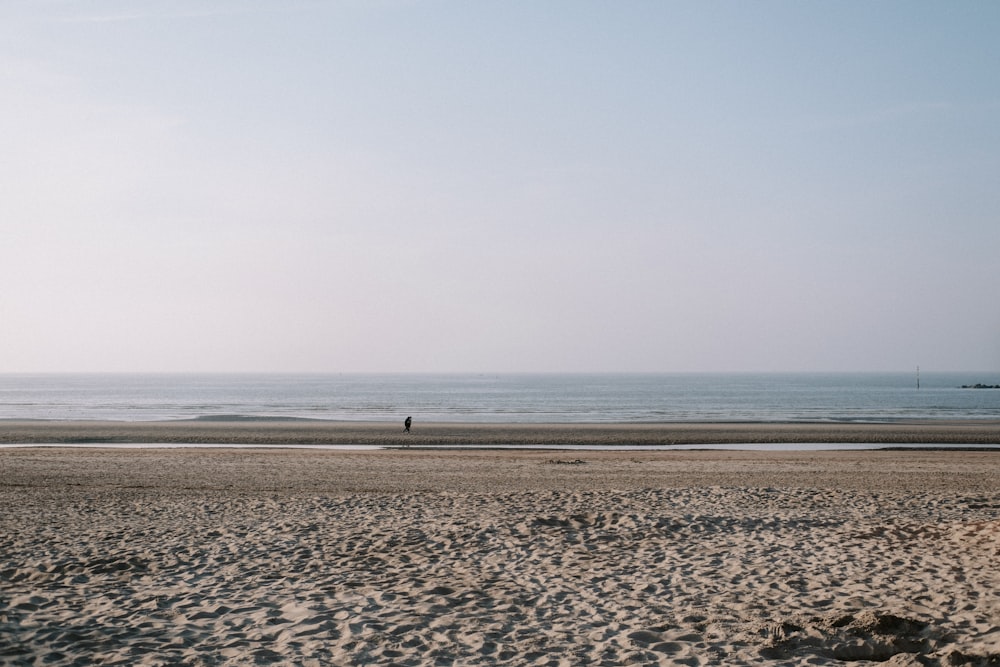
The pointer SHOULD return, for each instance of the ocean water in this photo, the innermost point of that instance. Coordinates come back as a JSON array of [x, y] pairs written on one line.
[[514, 398]]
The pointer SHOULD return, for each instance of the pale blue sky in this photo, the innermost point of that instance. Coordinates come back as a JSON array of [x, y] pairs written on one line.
[[274, 185]]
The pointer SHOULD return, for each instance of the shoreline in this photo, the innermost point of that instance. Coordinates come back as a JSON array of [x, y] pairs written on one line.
[[446, 434]]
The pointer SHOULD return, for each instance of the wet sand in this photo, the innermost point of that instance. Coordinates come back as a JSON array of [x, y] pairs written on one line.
[[423, 557], [251, 431]]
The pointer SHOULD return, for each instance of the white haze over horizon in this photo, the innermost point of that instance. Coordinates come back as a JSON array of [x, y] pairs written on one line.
[[342, 186]]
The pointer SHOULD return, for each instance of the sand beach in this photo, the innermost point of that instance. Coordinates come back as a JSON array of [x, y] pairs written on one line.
[[257, 431], [445, 557]]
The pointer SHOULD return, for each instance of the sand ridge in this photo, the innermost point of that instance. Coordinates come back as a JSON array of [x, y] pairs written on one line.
[[229, 557], [255, 431]]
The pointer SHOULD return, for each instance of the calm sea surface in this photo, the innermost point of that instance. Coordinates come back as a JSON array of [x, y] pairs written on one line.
[[840, 397]]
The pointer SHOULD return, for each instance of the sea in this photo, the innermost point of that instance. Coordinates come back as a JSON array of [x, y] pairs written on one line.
[[505, 398]]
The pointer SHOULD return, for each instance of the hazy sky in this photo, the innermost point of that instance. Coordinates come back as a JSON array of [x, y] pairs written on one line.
[[281, 185]]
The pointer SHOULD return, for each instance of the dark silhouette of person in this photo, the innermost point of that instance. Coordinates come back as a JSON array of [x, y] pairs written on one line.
[[406, 424]]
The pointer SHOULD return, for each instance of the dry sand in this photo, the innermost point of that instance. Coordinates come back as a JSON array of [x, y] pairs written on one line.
[[318, 557]]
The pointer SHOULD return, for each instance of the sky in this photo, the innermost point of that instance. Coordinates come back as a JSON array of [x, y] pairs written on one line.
[[499, 186]]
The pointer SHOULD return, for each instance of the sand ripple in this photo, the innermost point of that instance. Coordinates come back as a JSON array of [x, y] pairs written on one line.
[[696, 576]]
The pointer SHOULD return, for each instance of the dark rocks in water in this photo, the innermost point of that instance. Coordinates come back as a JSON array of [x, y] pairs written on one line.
[[981, 386]]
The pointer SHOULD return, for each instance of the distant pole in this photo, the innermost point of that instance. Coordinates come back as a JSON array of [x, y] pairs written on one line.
[[918, 377]]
